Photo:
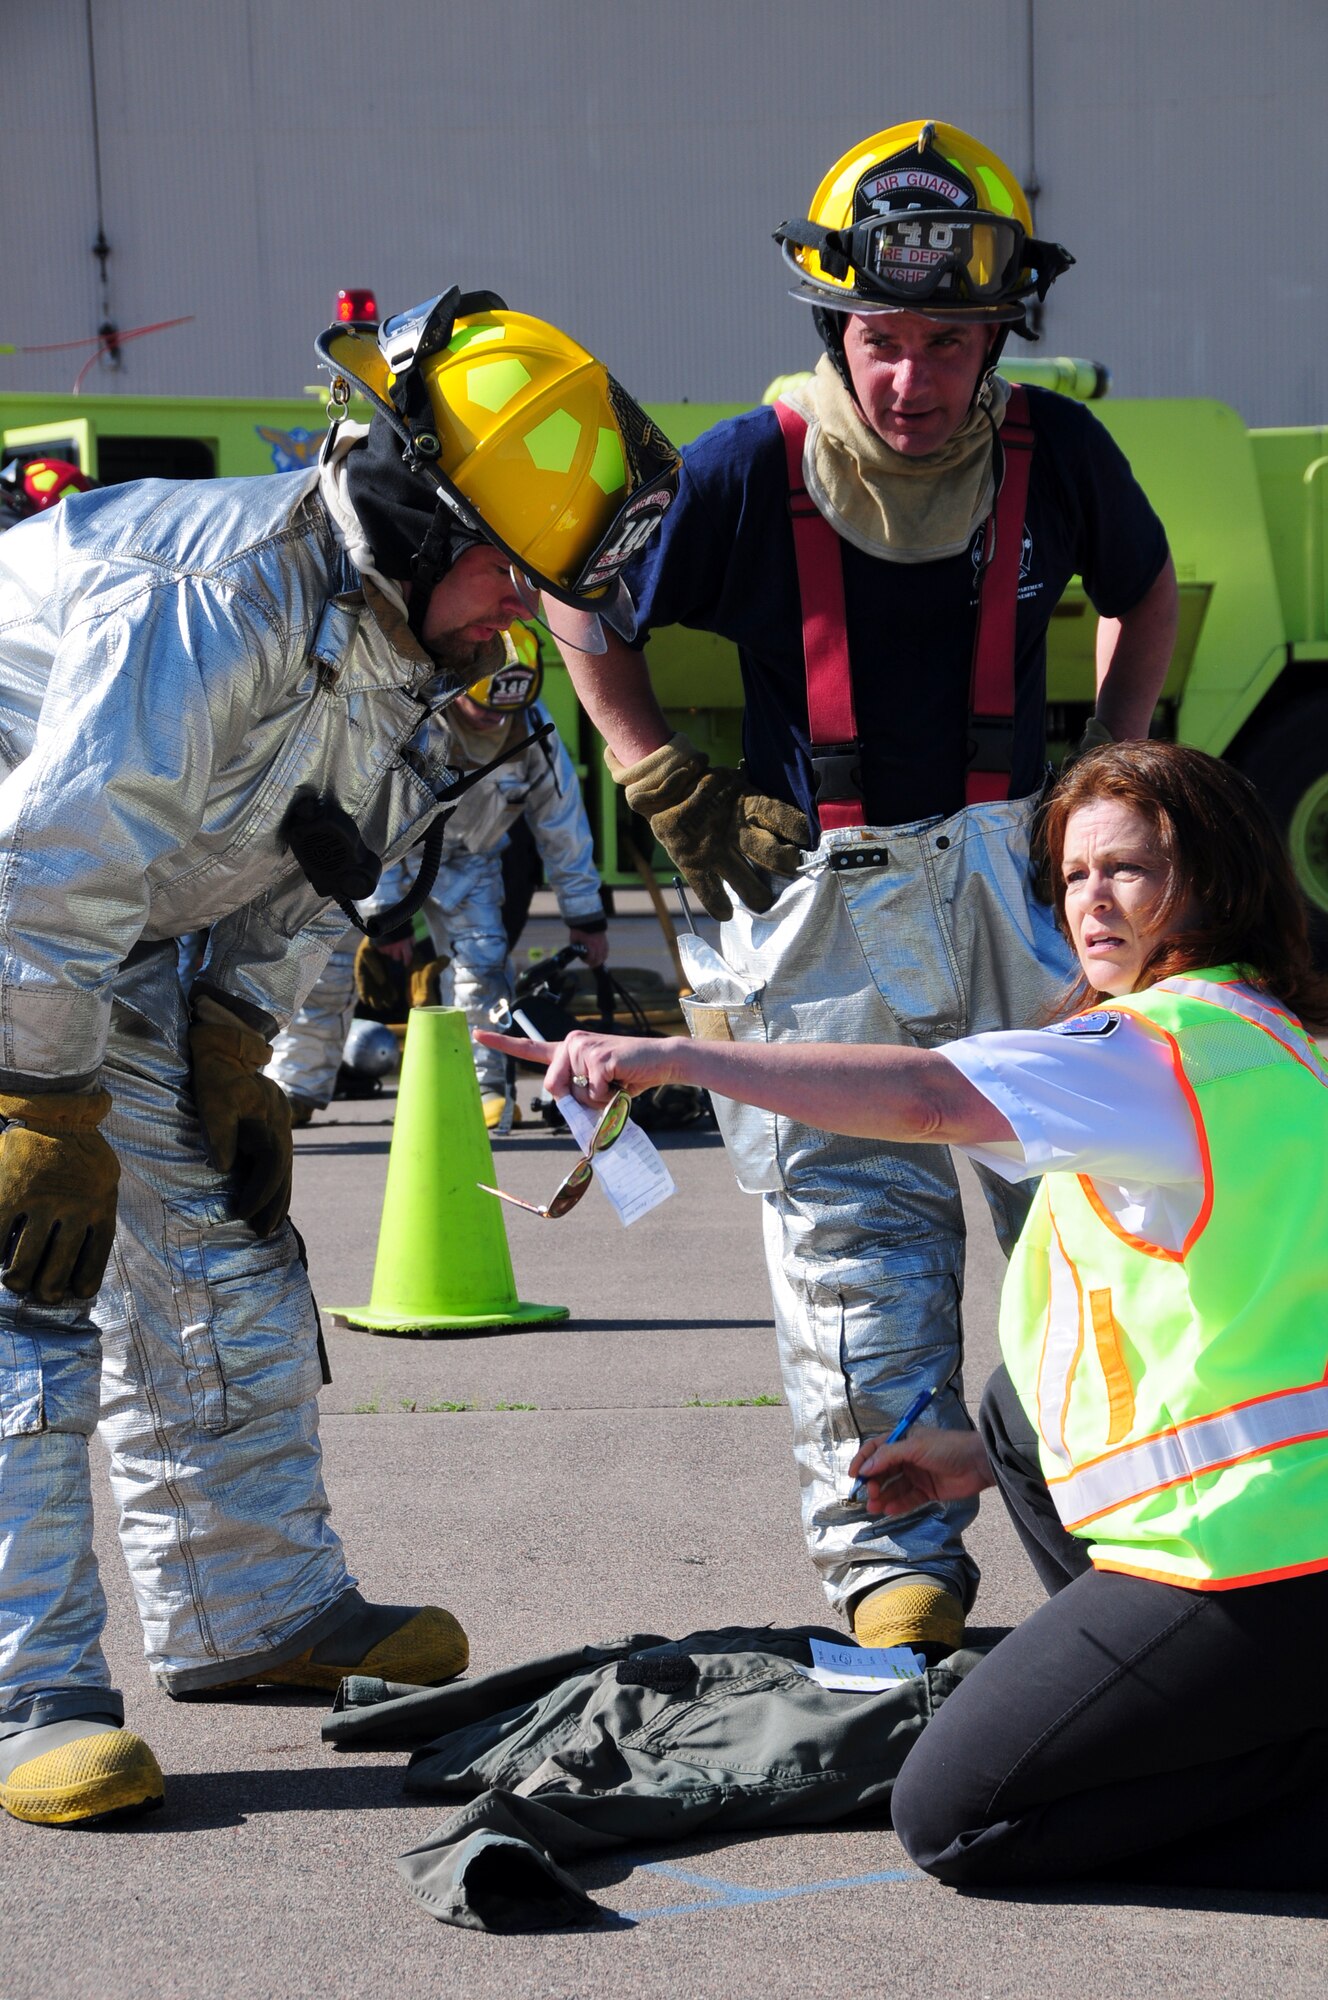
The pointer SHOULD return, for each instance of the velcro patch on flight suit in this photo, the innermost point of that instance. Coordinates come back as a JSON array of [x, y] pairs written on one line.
[[667, 1673]]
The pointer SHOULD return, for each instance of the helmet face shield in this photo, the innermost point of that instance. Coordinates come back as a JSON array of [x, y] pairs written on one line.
[[571, 624]]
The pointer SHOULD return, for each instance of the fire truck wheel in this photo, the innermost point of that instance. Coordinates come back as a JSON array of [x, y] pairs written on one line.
[[1288, 762]]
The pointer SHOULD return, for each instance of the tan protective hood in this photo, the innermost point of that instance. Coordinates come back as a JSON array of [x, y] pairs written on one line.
[[479, 746], [905, 510]]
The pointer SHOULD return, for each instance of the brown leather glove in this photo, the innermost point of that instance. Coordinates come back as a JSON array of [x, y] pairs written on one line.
[[713, 825], [377, 978], [426, 982], [245, 1117], [58, 1179]]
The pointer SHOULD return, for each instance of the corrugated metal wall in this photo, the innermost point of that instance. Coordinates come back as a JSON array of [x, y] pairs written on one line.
[[617, 165]]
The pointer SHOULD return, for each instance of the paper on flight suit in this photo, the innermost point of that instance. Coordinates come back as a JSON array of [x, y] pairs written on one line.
[[631, 1173], [862, 1667]]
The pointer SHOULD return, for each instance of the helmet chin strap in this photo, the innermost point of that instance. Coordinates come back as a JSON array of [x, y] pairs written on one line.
[[830, 326]]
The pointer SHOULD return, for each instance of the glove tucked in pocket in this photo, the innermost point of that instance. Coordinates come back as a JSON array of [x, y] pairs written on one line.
[[245, 1117]]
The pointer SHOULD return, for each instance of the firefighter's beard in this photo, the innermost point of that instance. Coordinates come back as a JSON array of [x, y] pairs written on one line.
[[466, 660]]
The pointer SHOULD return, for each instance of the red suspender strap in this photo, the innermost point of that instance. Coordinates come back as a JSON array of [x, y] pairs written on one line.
[[991, 690], [832, 724]]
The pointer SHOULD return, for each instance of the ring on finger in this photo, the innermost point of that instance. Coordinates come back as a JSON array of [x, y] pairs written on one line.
[[584, 1081]]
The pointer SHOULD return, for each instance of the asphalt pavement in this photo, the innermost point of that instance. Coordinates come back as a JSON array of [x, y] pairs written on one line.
[[628, 1470]]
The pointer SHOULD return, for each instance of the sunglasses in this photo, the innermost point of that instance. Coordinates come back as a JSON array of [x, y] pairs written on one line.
[[612, 1123]]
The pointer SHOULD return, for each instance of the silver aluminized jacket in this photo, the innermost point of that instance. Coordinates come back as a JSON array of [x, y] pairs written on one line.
[[465, 910], [176, 662]]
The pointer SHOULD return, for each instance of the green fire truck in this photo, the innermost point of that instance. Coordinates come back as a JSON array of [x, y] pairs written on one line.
[[1246, 512]]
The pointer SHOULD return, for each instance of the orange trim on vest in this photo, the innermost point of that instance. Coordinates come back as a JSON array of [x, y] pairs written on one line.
[[1181, 1479], [1211, 1582], [1042, 1362], [1115, 1369], [1200, 1223], [1193, 989]]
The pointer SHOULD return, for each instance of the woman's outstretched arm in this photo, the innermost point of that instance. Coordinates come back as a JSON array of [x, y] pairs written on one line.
[[865, 1093]]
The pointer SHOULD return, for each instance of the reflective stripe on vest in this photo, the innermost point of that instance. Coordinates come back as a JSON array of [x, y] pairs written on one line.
[[1204, 1444], [831, 717], [1274, 1021], [1062, 1345]]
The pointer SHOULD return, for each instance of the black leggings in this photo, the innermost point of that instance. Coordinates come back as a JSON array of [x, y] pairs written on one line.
[[1128, 1728]]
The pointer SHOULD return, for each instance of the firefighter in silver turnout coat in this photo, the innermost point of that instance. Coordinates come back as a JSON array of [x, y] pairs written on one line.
[[179, 663]]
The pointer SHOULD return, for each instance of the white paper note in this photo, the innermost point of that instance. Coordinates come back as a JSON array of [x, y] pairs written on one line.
[[866, 1669], [714, 982], [631, 1173]]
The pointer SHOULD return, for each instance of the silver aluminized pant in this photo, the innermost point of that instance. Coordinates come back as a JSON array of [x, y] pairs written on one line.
[[935, 935], [205, 1342], [465, 917]]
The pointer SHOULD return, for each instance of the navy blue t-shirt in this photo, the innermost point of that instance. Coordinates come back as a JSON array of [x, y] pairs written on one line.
[[722, 561]]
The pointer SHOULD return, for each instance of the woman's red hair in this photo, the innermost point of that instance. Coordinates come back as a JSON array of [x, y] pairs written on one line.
[[1220, 844]]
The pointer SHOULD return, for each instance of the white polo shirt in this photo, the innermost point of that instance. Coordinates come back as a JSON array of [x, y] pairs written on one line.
[[1095, 1095]]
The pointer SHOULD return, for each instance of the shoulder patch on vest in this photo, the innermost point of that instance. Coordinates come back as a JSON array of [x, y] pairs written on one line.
[[1086, 1024]]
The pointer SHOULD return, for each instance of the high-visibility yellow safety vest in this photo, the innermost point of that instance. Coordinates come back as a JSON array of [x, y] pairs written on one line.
[[1179, 1395]]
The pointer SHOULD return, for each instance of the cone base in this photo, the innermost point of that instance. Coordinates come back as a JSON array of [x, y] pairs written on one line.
[[366, 1320]]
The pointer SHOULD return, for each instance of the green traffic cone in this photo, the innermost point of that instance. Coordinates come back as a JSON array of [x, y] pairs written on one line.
[[442, 1260]]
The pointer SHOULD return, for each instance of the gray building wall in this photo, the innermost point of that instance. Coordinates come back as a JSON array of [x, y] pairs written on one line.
[[617, 166]]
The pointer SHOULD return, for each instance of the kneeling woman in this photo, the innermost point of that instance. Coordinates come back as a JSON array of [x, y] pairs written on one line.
[[1159, 1428]]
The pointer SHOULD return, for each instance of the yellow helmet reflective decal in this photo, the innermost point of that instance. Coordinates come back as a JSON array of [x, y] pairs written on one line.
[[523, 432], [521, 642]]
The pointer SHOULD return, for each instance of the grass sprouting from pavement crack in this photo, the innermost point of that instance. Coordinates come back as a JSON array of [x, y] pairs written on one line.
[[413, 1407], [733, 1403]]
